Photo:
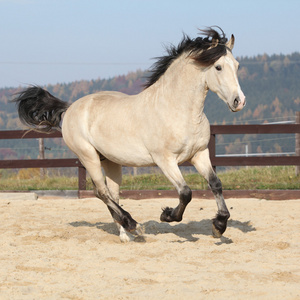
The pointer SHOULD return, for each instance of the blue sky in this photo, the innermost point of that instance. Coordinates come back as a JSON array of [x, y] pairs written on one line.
[[59, 41]]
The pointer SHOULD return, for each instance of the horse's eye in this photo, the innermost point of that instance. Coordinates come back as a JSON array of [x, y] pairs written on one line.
[[218, 68]]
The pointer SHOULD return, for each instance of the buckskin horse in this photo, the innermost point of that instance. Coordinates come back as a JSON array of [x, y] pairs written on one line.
[[163, 125]]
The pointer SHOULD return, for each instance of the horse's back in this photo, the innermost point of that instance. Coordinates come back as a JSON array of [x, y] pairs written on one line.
[[87, 106]]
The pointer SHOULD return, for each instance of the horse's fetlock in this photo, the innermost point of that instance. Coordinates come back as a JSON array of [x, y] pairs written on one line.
[[128, 222], [225, 215]]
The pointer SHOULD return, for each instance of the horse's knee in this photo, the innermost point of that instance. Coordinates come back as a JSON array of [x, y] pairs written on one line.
[[215, 184], [185, 195], [103, 195]]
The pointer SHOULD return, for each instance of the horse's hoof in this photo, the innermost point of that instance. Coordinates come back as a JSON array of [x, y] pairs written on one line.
[[140, 230], [168, 215], [216, 233], [220, 224], [126, 236]]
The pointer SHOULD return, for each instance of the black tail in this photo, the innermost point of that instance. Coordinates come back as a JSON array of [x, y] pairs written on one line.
[[40, 110]]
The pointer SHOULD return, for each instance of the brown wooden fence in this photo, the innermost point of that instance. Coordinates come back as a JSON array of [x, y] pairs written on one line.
[[216, 161], [42, 163], [252, 129]]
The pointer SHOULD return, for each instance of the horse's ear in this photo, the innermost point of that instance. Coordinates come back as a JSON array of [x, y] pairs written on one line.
[[230, 43], [214, 43]]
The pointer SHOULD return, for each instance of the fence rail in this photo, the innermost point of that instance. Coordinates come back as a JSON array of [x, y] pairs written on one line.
[[216, 161], [42, 163]]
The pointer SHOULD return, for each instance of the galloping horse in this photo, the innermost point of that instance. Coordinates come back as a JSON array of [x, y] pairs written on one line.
[[164, 125]]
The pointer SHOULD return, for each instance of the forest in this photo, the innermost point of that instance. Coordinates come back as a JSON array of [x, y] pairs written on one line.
[[271, 85]]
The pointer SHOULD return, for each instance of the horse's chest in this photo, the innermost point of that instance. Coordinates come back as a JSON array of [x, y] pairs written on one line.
[[191, 145]]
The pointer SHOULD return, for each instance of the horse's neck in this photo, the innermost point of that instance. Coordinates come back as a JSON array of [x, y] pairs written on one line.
[[182, 87]]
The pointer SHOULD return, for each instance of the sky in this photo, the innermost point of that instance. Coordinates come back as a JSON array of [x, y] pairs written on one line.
[[60, 41]]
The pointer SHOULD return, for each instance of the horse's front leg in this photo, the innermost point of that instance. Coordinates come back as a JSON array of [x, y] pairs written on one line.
[[202, 163], [172, 172]]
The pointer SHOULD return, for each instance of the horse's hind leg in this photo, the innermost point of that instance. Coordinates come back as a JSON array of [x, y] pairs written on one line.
[[202, 163], [90, 159], [113, 177]]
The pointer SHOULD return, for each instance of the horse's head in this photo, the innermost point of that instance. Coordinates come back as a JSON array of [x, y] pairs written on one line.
[[221, 78], [212, 55]]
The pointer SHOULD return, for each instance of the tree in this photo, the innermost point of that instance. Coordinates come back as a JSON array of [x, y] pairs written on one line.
[[276, 107], [286, 62], [266, 68]]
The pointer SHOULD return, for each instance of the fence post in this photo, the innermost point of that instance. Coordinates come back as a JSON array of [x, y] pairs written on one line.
[[297, 142], [42, 156]]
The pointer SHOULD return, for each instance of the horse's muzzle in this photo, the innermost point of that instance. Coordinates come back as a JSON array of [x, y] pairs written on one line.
[[238, 103]]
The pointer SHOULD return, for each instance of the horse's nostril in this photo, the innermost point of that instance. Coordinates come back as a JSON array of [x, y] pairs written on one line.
[[236, 102]]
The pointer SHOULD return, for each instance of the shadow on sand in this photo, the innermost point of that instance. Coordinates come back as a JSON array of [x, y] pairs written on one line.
[[185, 231]]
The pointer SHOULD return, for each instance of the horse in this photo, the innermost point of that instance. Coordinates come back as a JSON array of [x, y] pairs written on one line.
[[163, 125]]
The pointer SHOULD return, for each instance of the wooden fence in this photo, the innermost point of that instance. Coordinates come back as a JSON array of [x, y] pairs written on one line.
[[216, 161], [258, 160], [42, 163]]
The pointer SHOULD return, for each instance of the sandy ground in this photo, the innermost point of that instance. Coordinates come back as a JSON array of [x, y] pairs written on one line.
[[69, 249]]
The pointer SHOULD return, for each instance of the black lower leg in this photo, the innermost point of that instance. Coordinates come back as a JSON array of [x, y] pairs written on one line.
[[175, 214], [123, 218], [220, 221]]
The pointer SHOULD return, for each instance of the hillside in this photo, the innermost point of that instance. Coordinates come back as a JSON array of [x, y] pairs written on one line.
[[270, 83]]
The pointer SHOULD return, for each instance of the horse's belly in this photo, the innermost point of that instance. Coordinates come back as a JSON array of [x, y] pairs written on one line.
[[126, 156]]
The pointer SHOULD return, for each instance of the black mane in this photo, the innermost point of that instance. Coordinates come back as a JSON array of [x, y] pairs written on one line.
[[198, 49]]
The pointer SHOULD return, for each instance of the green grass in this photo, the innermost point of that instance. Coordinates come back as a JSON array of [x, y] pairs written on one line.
[[279, 177], [242, 179]]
